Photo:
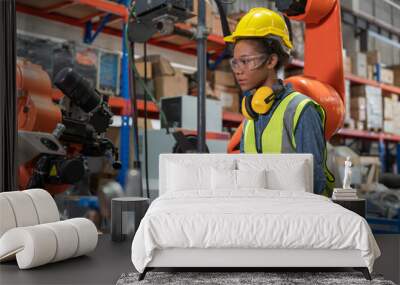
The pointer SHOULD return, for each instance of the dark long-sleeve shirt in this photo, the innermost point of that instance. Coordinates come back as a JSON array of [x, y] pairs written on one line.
[[309, 137]]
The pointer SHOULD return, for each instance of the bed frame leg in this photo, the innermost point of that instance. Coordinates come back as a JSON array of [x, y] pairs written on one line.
[[364, 271], [143, 274]]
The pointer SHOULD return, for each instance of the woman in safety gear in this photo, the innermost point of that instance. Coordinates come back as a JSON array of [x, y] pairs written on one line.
[[278, 119]]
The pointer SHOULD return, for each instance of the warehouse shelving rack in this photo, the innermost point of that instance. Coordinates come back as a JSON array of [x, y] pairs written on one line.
[[110, 17], [95, 16]]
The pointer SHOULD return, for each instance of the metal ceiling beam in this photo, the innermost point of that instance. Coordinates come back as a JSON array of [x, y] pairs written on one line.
[[54, 7], [61, 18], [91, 16]]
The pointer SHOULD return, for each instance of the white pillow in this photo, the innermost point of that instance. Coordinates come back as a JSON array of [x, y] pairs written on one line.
[[226, 179], [223, 179], [282, 174], [295, 180], [193, 176], [251, 178], [183, 177]]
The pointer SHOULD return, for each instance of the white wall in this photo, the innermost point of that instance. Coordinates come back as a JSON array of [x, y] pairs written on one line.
[[56, 30]]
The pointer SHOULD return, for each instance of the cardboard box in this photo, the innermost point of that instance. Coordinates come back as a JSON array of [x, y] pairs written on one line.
[[229, 97], [358, 103], [349, 123], [373, 57], [360, 125], [373, 99], [224, 78], [358, 114], [371, 72], [209, 90], [171, 85], [388, 108], [217, 27], [347, 97], [386, 75], [374, 107], [359, 64], [396, 75], [388, 126], [140, 68], [347, 64], [160, 66], [396, 119], [209, 14], [364, 90]]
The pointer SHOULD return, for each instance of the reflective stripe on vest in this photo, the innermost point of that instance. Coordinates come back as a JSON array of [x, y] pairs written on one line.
[[279, 134]]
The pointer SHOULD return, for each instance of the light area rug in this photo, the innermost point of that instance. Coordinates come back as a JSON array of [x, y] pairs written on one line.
[[243, 278]]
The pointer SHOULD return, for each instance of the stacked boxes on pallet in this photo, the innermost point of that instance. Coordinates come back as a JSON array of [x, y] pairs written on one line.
[[389, 107], [396, 111], [376, 70], [168, 82], [367, 106]]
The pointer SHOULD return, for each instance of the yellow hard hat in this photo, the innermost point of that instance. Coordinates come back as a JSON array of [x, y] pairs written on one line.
[[260, 23]]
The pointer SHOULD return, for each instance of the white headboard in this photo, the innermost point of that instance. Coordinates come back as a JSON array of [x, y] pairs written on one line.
[[269, 160]]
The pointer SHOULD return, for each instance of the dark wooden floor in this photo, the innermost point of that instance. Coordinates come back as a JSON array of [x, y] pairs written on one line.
[[103, 266], [106, 264]]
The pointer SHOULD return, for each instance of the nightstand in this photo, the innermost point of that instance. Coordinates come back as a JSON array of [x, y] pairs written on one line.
[[357, 206]]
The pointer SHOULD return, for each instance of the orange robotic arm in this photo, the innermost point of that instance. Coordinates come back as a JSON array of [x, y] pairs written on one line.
[[36, 109], [323, 78]]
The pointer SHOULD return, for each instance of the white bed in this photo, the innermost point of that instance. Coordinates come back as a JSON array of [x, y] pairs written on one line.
[[202, 220]]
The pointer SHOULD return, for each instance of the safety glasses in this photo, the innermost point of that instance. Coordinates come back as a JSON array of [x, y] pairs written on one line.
[[250, 62]]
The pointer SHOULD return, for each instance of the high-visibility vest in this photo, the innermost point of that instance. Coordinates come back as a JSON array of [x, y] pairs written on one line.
[[279, 134]]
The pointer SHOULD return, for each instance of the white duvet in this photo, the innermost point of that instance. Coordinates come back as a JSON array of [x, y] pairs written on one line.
[[250, 219]]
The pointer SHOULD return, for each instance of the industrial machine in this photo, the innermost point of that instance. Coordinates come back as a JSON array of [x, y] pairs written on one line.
[[179, 113], [55, 140], [156, 16]]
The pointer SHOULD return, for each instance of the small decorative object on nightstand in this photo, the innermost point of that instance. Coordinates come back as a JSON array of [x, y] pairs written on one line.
[[355, 205], [347, 196], [126, 214], [345, 193]]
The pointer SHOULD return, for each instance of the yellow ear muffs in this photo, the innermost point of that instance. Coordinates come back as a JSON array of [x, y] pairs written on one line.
[[262, 100], [247, 111]]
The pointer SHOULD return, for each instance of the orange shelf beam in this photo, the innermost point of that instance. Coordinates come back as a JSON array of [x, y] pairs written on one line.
[[359, 134], [107, 6], [209, 135], [91, 16], [361, 80], [368, 135], [54, 7], [390, 88], [357, 79]]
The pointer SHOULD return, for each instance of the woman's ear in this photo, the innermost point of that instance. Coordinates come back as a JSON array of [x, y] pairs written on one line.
[[272, 61]]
